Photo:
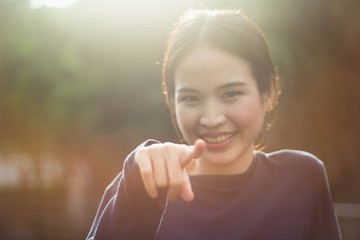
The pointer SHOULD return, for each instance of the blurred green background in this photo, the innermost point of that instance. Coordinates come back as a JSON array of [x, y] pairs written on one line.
[[80, 88]]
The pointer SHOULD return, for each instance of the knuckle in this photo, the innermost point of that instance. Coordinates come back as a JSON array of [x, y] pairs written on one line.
[[168, 147], [146, 173], [161, 182], [168, 144], [139, 155], [149, 149], [155, 150], [176, 182], [143, 150]]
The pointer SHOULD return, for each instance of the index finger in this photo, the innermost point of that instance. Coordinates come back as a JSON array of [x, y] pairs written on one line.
[[194, 152]]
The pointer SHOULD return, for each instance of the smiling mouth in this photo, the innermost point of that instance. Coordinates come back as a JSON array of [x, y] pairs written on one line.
[[218, 139]]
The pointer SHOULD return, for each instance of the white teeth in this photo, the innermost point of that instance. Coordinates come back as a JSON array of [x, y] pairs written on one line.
[[218, 139]]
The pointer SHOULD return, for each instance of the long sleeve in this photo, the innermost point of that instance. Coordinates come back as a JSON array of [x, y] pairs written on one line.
[[126, 211], [324, 224]]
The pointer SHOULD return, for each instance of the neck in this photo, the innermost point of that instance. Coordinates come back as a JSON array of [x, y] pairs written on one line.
[[205, 166]]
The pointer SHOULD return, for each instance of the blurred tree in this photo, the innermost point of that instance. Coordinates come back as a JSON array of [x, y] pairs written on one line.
[[84, 79], [46, 84]]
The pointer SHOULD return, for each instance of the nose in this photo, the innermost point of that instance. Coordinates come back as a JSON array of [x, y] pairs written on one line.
[[212, 115]]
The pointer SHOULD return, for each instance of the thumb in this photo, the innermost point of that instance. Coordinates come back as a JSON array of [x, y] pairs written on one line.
[[194, 151]]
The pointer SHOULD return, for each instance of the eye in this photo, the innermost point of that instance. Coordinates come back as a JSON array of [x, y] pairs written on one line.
[[232, 94], [190, 99]]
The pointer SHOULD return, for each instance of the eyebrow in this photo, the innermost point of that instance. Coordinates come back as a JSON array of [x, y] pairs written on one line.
[[232, 84], [226, 85]]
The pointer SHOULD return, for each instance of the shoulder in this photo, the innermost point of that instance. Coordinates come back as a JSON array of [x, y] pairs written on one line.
[[297, 157], [295, 161]]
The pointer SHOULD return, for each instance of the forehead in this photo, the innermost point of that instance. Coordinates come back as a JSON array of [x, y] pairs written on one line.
[[207, 67]]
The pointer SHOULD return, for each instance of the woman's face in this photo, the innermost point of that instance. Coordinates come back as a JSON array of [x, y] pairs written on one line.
[[217, 100]]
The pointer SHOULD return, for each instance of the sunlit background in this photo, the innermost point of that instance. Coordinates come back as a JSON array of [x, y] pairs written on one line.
[[80, 88]]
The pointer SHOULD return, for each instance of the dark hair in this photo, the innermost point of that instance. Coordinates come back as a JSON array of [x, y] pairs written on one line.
[[228, 30]]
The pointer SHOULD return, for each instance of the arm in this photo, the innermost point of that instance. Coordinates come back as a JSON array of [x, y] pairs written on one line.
[[133, 204], [126, 210], [324, 223]]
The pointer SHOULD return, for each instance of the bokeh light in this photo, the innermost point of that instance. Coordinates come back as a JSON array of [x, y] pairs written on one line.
[[80, 89], [51, 3]]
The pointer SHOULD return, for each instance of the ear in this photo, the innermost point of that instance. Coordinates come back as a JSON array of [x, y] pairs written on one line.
[[269, 97]]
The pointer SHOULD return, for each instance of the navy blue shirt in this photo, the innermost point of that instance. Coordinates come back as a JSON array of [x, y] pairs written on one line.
[[282, 195]]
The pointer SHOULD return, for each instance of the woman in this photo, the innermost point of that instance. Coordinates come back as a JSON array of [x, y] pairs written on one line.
[[221, 87]]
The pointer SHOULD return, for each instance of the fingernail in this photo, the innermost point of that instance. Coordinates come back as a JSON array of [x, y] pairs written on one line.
[[154, 194], [171, 198]]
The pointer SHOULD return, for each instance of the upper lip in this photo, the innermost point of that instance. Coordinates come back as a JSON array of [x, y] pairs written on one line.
[[215, 134]]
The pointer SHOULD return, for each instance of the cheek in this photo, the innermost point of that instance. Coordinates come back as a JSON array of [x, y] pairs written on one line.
[[186, 121], [249, 115]]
